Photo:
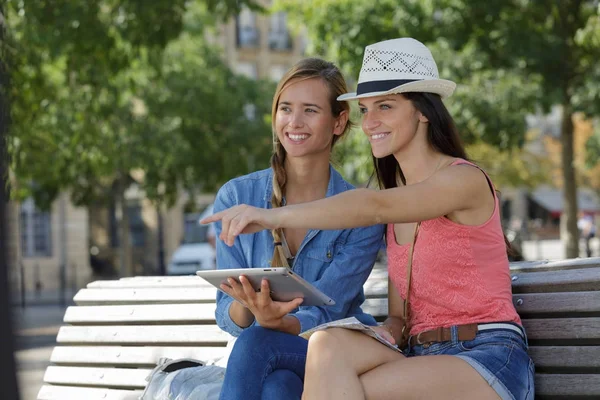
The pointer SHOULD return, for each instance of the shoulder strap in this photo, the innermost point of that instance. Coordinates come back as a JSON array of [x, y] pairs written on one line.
[[409, 275]]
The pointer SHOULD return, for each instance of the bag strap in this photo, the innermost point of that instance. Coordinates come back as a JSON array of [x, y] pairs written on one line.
[[409, 276]]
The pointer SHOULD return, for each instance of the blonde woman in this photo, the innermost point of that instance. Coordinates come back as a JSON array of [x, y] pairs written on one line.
[[268, 358], [449, 287]]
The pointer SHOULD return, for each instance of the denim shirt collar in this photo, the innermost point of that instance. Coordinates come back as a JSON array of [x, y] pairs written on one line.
[[336, 184]]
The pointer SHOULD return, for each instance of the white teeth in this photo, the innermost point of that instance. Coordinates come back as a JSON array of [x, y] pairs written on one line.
[[298, 137], [378, 136]]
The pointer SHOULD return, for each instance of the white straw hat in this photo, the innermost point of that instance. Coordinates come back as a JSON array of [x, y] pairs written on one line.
[[398, 66]]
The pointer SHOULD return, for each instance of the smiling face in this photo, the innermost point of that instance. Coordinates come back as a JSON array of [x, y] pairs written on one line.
[[304, 122], [391, 123]]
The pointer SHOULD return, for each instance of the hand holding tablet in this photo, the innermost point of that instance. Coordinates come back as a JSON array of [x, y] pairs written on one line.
[[284, 285]]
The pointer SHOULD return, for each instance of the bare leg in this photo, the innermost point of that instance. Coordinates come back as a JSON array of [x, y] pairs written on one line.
[[426, 377], [342, 364], [336, 358]]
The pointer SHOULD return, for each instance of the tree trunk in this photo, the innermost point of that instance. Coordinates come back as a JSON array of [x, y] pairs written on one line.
[[571, 240], [126, 268]]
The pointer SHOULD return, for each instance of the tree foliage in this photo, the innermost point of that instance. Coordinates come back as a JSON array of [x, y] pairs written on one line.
[[489, 104], [101, 88]]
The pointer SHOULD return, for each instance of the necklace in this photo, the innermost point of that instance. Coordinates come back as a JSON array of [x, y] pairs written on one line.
[[434, 171], [436, 167]]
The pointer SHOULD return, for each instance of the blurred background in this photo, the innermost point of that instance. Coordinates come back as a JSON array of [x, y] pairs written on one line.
[[126, 116]]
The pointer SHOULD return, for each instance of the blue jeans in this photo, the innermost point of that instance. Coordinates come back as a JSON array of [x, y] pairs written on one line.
[[500, 356], [264, 365]]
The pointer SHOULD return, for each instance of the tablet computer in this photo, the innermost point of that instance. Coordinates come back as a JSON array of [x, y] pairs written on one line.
[[285, 285]]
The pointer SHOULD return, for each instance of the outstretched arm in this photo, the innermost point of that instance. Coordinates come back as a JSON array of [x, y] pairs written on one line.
[[451, 189]]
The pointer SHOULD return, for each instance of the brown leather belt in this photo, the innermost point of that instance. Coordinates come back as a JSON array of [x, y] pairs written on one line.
[[465, 332]]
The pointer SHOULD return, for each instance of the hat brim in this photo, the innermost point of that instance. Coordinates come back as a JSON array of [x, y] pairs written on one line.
[[443, 87]]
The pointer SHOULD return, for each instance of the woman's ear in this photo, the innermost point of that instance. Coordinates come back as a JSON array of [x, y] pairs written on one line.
[[422, 118], [340, 123]]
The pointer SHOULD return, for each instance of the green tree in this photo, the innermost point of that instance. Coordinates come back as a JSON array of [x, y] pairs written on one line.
[[100, 89], [558, 41]]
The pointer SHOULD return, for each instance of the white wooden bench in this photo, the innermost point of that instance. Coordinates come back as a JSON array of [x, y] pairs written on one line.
[[118, 330]]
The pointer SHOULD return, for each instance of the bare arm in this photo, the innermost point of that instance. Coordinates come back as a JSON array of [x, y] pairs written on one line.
[[452, 189]]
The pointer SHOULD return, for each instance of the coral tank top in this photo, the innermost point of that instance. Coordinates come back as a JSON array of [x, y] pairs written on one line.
[[460, 273]]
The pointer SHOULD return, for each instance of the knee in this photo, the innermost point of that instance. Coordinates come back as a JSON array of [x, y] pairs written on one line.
[[249, 346], [252, 337], [258, 343], [323, 347]]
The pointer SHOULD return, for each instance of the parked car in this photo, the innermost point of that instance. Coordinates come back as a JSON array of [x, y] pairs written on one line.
[[195, 252]]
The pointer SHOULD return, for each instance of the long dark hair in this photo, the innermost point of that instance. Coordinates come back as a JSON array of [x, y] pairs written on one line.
[[441, 134]]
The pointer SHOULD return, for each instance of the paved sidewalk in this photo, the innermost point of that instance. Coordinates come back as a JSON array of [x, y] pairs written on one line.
[[43, 297], [36, 328]]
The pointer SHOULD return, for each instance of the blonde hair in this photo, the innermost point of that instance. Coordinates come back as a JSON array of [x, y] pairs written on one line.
[[308, 68]]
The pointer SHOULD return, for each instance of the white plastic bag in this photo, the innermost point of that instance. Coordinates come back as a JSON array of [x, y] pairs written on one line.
[[184, 379]]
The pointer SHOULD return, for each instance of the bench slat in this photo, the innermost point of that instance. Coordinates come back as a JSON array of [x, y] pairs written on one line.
[[567, 385], [557, 303], [141, 335], [132, 314], [525, 303], [378, 275], [582, 357], [143, 356], [563, 329], [145, 284], [116, 378], [180, 278], [375, 273], [90, 297], [48, 392], [553, 265], [161, 295], [573, 280]]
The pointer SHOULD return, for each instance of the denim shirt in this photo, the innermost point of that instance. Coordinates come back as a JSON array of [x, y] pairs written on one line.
[[337, 262]]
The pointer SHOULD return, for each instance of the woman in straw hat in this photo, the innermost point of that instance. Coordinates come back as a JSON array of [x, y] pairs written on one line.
[[450, 304], [268, 358]]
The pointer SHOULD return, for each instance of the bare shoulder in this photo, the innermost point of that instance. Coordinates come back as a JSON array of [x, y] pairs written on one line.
[[468, 182], [467, 176]]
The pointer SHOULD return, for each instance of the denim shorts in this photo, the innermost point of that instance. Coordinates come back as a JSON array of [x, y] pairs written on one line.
[[499, 355]]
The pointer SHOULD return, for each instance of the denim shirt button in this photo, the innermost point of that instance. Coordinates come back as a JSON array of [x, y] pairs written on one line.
[[328, 253]]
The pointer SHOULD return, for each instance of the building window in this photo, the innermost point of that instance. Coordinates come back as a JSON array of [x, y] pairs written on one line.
[[246, 30], [36, 232], [137, 228], [279, 36]]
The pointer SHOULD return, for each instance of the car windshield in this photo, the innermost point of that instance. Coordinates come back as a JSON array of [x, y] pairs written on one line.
[[193, 231]]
